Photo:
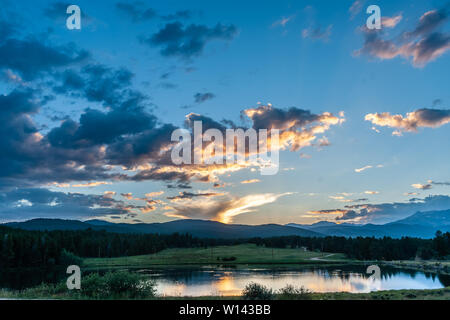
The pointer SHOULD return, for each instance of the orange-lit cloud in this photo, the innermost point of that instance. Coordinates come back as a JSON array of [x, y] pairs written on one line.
[[250, 181], [224, 210], [431, 118]]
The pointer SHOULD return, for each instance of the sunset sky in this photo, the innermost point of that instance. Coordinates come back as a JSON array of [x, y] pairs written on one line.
[[87, 115]]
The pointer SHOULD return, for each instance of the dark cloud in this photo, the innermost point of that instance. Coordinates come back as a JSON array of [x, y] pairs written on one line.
[[318, 33], [179, 186], [202, 97], [136, 11], [429, 21], [22, 204], [188, 41], [96, 127], [422, 45], [6, 30], [266, 117], [179, 15], [190, 195], [32, 57], [58, 11], [441, 183], [141, 148], [207, 122]]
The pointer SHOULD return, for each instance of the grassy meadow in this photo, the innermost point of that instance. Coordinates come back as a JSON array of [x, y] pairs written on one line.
[[239, 254]]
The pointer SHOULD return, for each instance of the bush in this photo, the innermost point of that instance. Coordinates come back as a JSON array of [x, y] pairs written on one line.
[[227, 259], [93, 286], [121, 284], [292, 293], [254, 291]]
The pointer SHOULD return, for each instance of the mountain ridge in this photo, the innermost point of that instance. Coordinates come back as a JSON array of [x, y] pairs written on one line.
[[419, 224]]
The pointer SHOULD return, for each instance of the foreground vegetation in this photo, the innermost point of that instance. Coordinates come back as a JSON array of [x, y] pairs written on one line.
[[112, 285]]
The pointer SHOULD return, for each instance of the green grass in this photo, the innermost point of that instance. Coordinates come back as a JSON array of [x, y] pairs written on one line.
[[243, 254]]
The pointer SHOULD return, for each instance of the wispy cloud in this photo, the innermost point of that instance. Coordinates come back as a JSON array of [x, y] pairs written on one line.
[[250, 181], [283, 21], [358, 170]]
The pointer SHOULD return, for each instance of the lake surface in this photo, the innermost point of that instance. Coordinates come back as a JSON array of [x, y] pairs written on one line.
[[229, 281]]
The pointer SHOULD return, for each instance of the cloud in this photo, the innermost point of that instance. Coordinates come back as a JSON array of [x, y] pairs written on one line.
[[391, 22], [441, 183], [189, 195], [356, 8], [250, 181], [283, 21], [178, 15], [32, 57], [128, 196], [136, 11], [202, 97], [27, 203], [298, 127], [178, 40], [154, 194], [389, 212], [317, 33], [371, 192], [224, 210], [58, 11], [429, 118], [81, 185], [363, 169], [422, 186], [7, 29], [422, 45], [329, 212]]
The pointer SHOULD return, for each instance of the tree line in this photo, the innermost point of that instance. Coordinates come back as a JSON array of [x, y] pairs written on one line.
[[368, 248], [23, 248]]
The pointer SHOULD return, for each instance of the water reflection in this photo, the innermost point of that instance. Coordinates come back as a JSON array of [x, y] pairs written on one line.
[[229, 281], [225, 282]]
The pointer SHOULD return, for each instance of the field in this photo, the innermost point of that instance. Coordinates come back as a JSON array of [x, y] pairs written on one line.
[[239, 254]]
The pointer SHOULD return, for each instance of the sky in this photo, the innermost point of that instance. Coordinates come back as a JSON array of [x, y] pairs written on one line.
[[87, 114]]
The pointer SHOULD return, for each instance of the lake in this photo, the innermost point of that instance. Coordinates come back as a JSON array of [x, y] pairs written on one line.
[[230, 281]]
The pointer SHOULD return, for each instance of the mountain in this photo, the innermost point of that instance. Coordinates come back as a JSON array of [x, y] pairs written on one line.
[[436, 219], [420, 225], [198, 228]]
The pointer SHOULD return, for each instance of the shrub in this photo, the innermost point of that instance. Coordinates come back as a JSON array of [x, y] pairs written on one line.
[[227, 259], [121, 284], [254, 291], [93, 286], [289, 292]]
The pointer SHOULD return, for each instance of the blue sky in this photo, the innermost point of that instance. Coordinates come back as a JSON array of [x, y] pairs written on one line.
[[136, 79]]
